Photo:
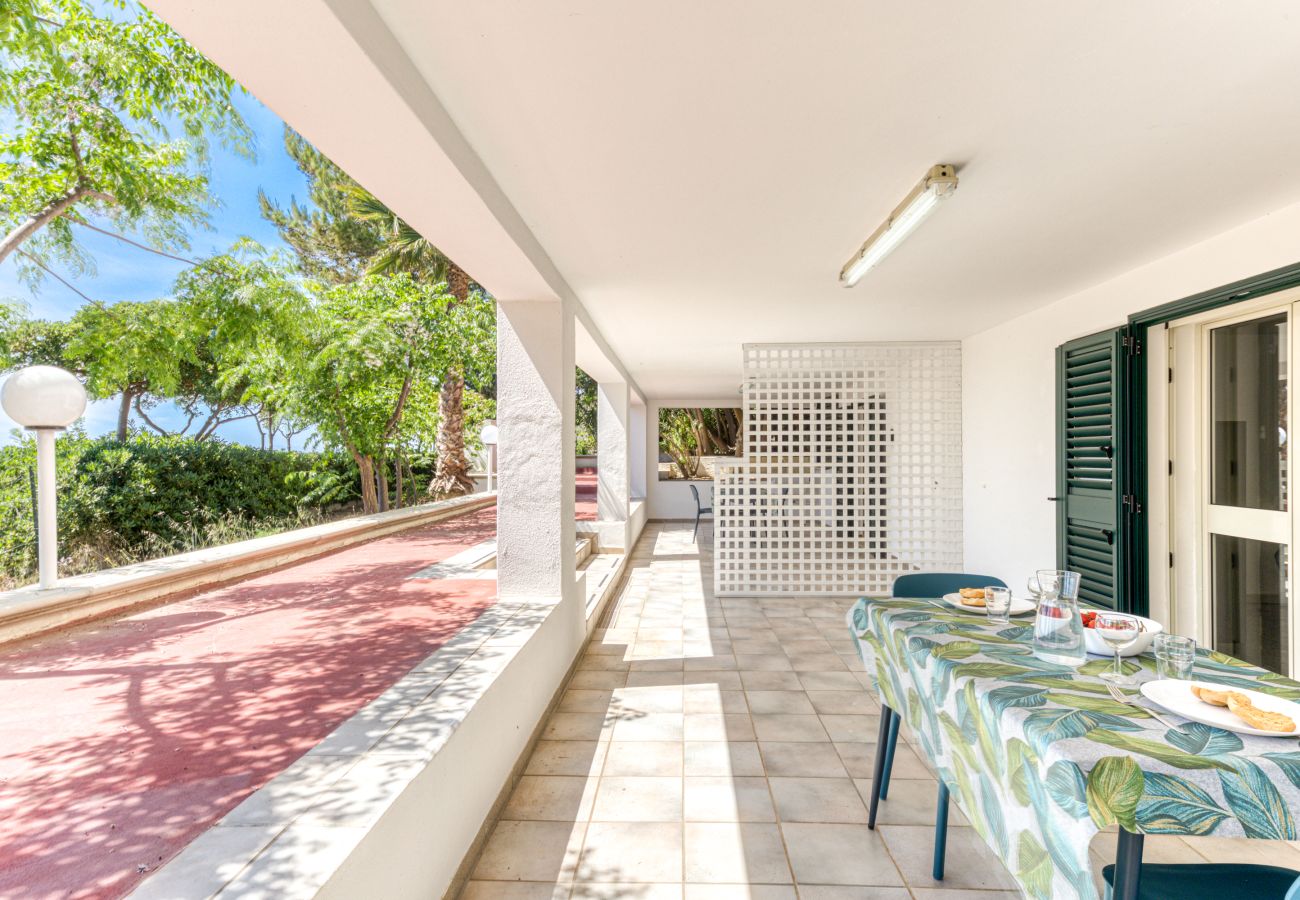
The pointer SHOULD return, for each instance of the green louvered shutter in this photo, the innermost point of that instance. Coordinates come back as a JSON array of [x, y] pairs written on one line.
[[1091, 375]]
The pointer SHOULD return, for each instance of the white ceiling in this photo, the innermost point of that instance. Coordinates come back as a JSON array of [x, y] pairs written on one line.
[[698, 172]]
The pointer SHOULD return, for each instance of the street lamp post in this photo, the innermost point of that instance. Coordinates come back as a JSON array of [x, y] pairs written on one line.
[[46, 400]]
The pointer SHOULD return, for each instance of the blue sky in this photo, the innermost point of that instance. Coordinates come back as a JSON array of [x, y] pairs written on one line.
[[127, 273]]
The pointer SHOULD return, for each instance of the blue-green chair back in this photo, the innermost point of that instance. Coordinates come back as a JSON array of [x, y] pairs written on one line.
[[1212, 881], [928, 585]]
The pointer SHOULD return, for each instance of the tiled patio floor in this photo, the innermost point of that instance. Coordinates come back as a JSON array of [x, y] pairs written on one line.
[[722, 749]]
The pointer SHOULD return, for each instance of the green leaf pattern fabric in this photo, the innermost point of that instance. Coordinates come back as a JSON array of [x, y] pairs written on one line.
[[1039, 757]]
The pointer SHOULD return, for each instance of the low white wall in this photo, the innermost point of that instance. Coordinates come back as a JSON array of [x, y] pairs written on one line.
[[1009, 383]]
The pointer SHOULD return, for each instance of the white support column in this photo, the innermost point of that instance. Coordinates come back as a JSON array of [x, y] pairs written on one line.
[[612, 487], [535, 416], [636, 441]]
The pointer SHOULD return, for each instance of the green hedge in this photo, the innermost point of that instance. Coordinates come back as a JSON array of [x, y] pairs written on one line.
[[152, 495]]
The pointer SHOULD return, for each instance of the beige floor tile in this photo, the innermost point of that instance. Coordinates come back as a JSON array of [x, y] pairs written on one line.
[[655, 665], [857, 892], [661, 758], [763, 662], [789, 728], [801, 759], [627, 892], [855, 703], [530, 851], [651, 679], [649, 727], [735, 852], [640, 852], [566, 758], [958, 894], [727, 727], [515, 890], [574, 727], [731, 798], [722, 758], [839, 854], [970, 864], [638, 799], [722, 680], [555, 798], [852, 728], [583, 700], [910, 802], [709, 699], [832, 800], [775, 702], [739, 892], [817, 662], [597, 680], [770, 681], [860, 759], [646, 699], [830, 681]]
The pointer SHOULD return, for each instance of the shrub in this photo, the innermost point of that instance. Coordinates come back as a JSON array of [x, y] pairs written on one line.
[[151, 496]]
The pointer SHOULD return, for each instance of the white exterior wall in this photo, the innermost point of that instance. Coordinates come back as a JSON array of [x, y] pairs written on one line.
[[672, 499], [1009, 383], [612, 488]]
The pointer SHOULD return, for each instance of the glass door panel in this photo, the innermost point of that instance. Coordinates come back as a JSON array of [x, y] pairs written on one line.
[[1248, 526], [1251, 619], [1248, 416]]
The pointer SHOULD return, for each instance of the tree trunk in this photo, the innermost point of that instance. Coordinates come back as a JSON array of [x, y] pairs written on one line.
[[381, 472], [369, 499], [399, 489], [52, 210], [457, 282], [124, 414], [452, 477]]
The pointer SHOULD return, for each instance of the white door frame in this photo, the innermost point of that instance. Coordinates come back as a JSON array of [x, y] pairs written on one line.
[[1181, 418]]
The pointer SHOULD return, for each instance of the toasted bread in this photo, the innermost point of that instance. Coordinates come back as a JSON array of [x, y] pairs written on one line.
[[1218, 698], [1262, 719]]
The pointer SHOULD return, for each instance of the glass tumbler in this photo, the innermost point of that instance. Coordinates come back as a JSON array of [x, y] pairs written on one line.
[[1175, 656]]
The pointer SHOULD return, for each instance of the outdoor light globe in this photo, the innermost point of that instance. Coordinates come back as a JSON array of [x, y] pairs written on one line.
[[43, 397], [488, 435]]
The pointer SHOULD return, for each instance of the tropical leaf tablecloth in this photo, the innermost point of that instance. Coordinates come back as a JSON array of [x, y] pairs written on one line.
[[1040, 758]]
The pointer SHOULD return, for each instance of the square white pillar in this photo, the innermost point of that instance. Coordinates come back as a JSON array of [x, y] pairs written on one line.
[[612, 487], [636, 438], [535, 418]]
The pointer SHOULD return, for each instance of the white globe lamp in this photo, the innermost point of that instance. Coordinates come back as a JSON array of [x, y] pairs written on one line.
[[46, 400]]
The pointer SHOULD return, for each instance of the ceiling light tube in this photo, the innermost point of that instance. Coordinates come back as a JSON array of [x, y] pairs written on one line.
[[937, 184]]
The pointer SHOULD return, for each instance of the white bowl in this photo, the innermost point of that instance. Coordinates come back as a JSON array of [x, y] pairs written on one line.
[[1098, 647]]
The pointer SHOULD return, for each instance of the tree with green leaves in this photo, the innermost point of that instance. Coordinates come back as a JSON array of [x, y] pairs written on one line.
[[331, 243], [366, 348], [406, 250], [108, 115]]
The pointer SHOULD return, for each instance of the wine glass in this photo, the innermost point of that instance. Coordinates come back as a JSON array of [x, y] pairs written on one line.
[[1035, 589], [1119, 631]]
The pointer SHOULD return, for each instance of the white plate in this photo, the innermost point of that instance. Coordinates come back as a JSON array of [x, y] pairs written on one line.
[[1018, 607], [1177, 697]]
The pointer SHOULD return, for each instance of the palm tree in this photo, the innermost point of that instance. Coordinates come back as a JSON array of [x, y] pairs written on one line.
[[406, 250]]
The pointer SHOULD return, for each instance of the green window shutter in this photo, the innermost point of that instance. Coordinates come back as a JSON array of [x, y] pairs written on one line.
[[1091, 514]]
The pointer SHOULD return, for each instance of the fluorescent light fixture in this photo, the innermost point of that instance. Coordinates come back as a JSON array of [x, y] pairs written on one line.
[[937, 184]]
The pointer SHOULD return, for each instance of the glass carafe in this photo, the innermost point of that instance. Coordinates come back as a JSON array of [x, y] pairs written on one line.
[[1058, 628]]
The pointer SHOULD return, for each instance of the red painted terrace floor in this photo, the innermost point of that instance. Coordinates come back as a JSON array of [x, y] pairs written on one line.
[[123, 740], [585, 490]]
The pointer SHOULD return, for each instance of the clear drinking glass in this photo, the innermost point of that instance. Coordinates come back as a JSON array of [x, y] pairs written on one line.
[[997, 603], [1119, 631], [1035, 590], [1058, 628], [1175, 656]]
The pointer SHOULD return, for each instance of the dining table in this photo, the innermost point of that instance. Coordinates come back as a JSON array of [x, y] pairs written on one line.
[[1040, 757]]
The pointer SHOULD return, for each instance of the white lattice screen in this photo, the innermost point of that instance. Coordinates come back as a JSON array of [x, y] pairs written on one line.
[[851, 474]]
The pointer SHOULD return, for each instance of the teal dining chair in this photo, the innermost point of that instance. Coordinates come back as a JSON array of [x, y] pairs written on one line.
[[922, 585], [1212, 881]]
